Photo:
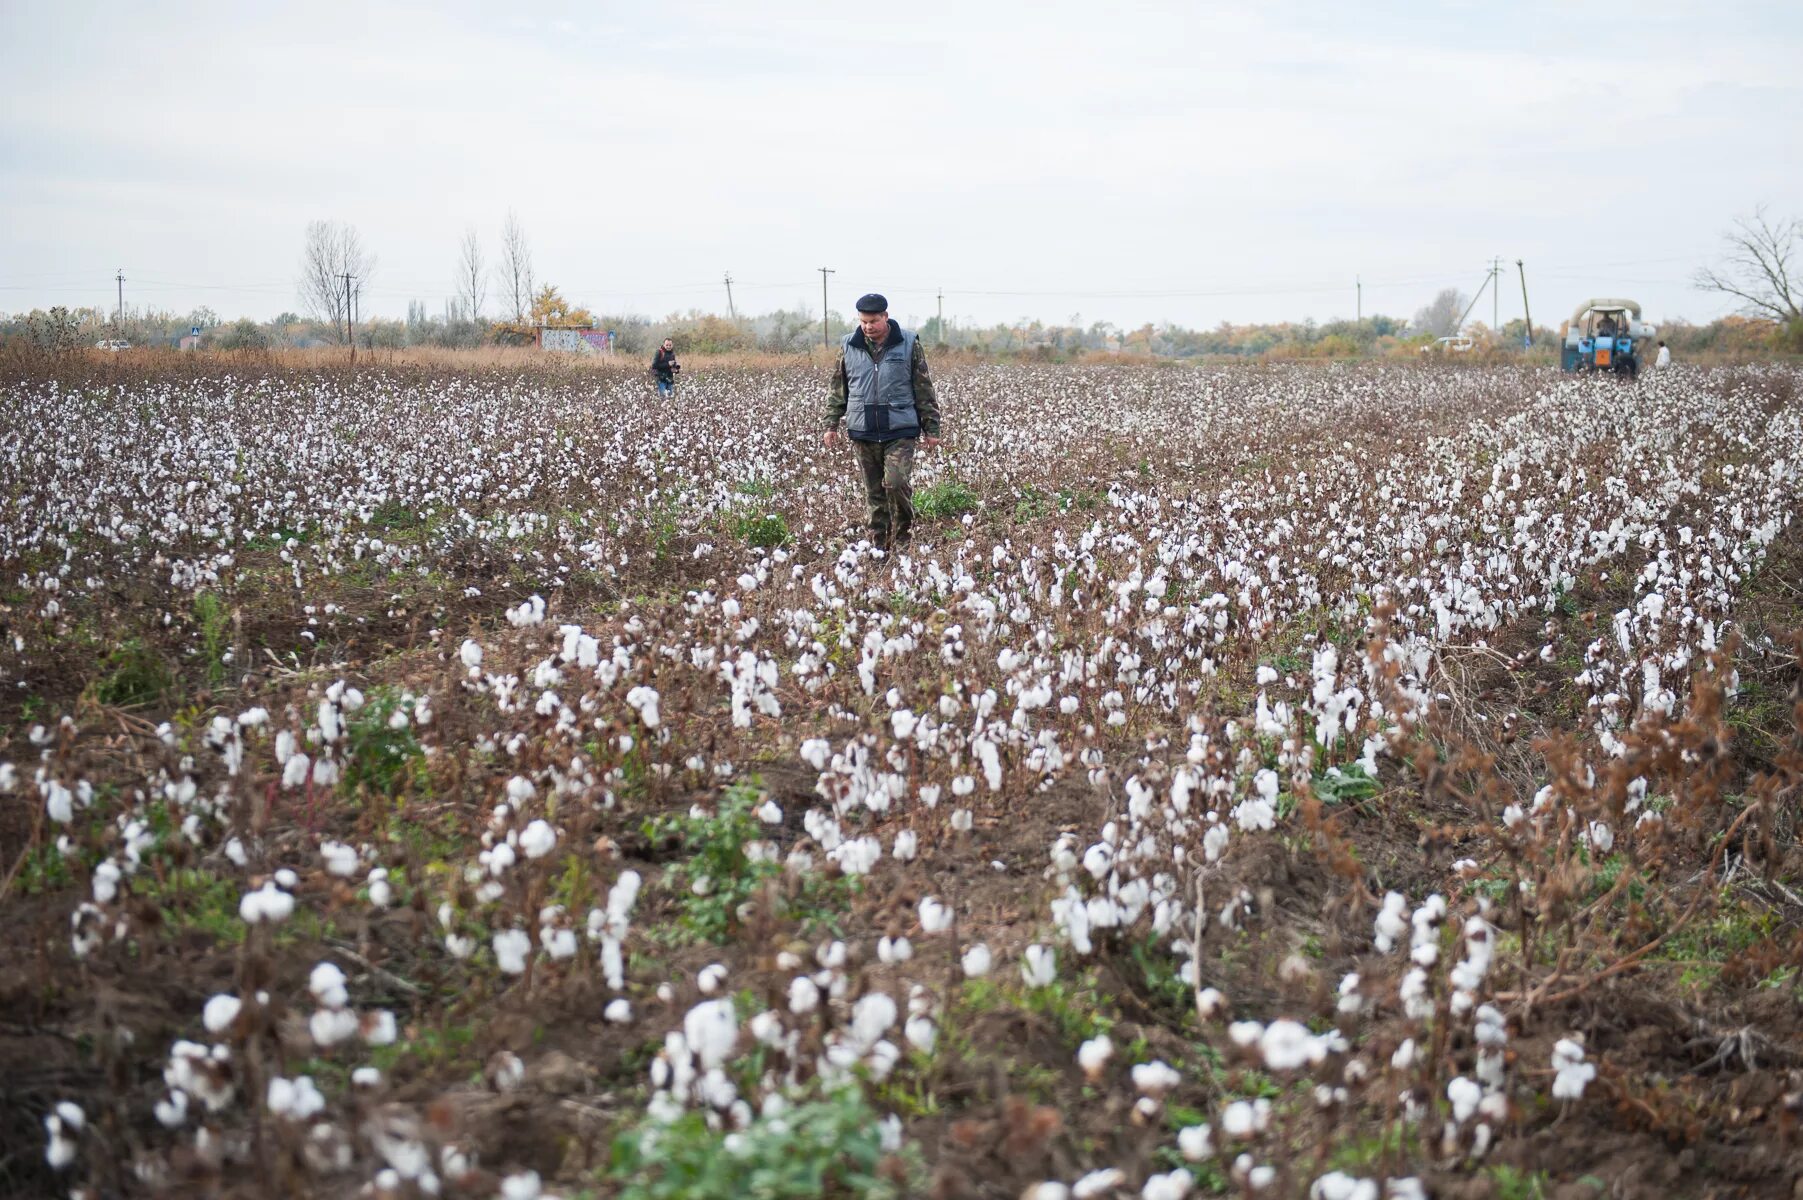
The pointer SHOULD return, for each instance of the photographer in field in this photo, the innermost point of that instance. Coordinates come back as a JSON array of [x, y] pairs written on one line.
[[664, 366], [883, 391]]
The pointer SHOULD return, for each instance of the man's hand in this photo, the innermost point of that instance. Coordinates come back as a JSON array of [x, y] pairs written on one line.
[[831, 439], [931, 443]]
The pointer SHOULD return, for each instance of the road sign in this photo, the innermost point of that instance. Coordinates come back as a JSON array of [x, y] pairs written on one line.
[[193, 331]]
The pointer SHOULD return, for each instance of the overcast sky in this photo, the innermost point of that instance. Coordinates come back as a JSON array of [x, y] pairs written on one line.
[[1188, 162]]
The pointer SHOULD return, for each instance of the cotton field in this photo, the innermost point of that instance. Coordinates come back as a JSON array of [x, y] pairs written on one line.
[[1335, 782]]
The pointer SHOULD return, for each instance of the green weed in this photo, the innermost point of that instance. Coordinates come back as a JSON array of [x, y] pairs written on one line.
[[381, 755], [134, 674], [945, 499], [830, 1146]]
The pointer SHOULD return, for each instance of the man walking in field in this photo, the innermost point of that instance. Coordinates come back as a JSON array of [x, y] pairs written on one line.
[[884, 392], [665, 366]]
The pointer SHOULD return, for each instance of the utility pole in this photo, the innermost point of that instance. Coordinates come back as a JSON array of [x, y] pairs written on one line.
[[942, 318], [1495, 304], [826, 338], [1527, 318], [350, 328], [119, 319], [731, 311]]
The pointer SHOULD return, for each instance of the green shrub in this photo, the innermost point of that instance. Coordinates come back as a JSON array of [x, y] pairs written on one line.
[[381, 756], [832, 1146], [135, 674], [210, 614], [763, 531], [947, 498]]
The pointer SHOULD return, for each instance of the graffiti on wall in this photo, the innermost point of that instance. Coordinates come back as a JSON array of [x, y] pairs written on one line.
[[576, 341]]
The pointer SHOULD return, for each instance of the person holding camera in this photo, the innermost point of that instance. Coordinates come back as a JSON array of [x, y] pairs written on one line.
[[664, 367]]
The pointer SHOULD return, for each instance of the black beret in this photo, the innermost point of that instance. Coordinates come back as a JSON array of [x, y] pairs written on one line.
[[872, 303]]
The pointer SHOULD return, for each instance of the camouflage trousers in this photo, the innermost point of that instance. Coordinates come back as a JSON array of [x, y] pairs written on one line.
[[889, 486]]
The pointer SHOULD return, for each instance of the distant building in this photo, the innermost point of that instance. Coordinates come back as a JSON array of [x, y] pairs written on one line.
[[187, 341], [576, 341]]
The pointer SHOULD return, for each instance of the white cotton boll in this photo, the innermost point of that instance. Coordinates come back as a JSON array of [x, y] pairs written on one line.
[[172, 1111], [1337, 1185], [1214, 842], [220, 1012], [524, 1186], [934, 916], [287, 879], [1039, 967], [1254, 814], [560, 944], [1093, 1055], [710, 978], [907, 845], [831, 955], [1174, 1185], [471, 654], [1408, 1188], [1049, 1190], [1239, 1119], [1572, 1073], [976, 961], [815, 752], [378, 1027], [1404, 1057], [266, 905], [296, 1099], [296, 770], [1096, 1183], [712, 1029], [618, 1011], [929, 795], [326, 983], [61, 1147], [1392, 921], [1245, 1033], [804, 995], [341, 860], [1210, 1003], [962, 821], [872, 1017], [1155, 1078], [539, 839], [366, 1077], [1287, 1045], [329, 1026], [922, 1033], [894, 950], [1196, 1142], [511, 946], [770, 813], [1464, 1096]]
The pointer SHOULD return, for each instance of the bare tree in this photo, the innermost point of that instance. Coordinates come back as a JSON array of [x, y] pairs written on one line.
[[514, 271], [333, 250], [1441, 316], [472, 288], [1758, 270]]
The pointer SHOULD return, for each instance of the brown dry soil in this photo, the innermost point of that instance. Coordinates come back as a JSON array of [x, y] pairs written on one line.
[[1700, 1050]]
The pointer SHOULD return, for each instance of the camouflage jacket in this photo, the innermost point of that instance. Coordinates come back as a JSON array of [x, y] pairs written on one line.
[[926, 396]]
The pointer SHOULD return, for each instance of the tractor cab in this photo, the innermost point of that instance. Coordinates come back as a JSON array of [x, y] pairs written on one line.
[[1604, 335]]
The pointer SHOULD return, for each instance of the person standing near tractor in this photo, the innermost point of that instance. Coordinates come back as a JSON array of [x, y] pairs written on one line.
[[1665, 358], [664, 366], [884, 392]]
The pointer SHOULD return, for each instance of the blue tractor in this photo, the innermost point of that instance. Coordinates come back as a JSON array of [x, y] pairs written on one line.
[[1605, 335]]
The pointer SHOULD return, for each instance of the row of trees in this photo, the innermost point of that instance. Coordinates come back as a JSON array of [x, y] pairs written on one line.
[[1759, 269]]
